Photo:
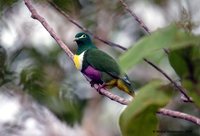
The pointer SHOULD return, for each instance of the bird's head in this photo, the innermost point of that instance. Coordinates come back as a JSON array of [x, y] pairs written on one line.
[[82, 38], [84, 42]]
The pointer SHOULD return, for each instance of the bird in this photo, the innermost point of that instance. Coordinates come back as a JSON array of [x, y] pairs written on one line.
[[99, 67]]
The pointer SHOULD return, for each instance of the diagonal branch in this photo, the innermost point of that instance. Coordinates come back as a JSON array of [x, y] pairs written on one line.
[[181, 115], [178, 87], [35, 15], [84, 29], [139, 21], [142, 25], [113, 97]]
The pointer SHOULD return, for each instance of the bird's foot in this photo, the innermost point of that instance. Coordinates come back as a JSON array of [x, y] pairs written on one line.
[[92, 83]]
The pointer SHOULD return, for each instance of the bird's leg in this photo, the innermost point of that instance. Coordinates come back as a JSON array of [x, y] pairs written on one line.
[[92, 83]]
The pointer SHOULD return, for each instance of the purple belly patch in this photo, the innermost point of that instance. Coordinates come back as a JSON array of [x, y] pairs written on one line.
[[92, 73]]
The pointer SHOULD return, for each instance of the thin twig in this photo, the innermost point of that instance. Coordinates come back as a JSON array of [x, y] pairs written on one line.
[[118, 99], [142, 25], [178, 87], [139, 21], [83, 28], [36, 16]]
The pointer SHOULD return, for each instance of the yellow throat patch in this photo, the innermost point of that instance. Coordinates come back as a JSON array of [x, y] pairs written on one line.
[[78, 60]]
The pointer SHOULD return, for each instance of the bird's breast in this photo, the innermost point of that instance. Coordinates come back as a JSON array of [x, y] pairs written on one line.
[[78, 60]]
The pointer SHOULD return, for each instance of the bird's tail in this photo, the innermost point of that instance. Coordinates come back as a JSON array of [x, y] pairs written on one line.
[[125, 85]]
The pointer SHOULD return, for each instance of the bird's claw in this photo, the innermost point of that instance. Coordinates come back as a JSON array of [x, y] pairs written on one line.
[[92, 83]]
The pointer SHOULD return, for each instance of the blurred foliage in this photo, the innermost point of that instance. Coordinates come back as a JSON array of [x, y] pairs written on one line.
[[186, 63], [185, 21], [6, 3], [188, 59], [38, 80], [3, 56], [5, 74], [72, 6], [160, 2], [139, 118], [169, 37], [193, 90], [46, 91], [43, 78], [31, 79]]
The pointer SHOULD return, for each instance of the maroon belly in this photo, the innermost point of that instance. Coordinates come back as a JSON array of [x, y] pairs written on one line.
[[93, 74]]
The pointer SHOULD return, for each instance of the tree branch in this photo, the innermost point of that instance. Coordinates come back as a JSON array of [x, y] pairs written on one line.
[[116, 98], [142, 25], [112, 96], [84, 29], [36, 16], [139, 21], [178, 87], [176, 114]]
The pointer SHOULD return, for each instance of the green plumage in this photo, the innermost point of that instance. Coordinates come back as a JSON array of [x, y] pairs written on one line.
[[101, 67], [102, 62]]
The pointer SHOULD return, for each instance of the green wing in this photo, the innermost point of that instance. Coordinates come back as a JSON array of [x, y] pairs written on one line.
[[102, 62]]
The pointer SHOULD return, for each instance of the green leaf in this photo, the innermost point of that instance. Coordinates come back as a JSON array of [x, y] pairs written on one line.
[[185, 62], [169, 37], [193, 91], [178, 62], [139, 118]]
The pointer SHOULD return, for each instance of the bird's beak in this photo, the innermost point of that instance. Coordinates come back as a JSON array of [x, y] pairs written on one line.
[[76, 39]]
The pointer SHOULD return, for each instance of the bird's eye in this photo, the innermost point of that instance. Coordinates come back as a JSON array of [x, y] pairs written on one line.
[[84, 36]]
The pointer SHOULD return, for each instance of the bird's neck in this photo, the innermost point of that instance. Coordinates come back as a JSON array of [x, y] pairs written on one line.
[[83, 47]]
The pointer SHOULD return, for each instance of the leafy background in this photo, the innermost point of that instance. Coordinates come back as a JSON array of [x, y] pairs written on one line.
[[39, 83]]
